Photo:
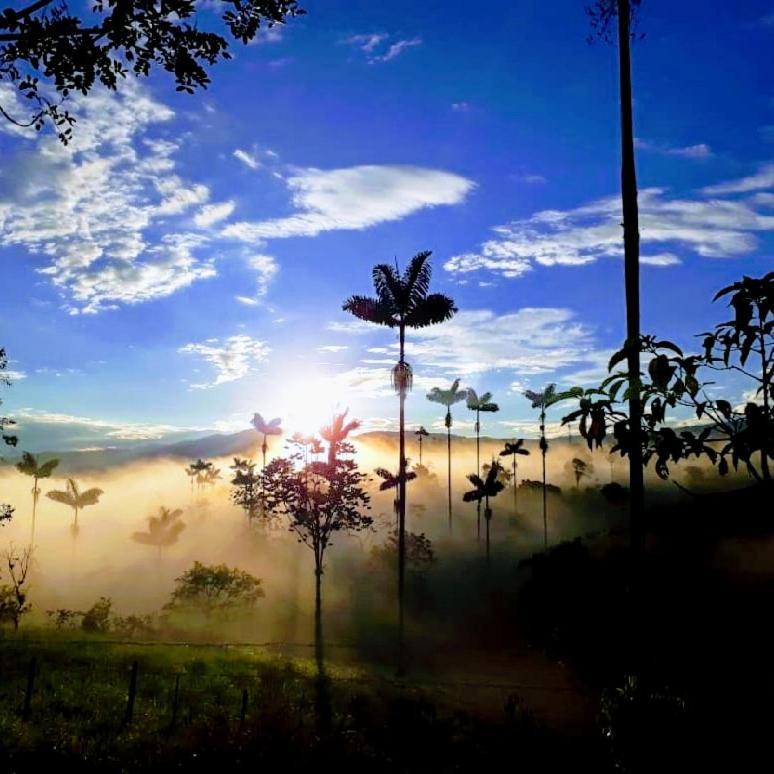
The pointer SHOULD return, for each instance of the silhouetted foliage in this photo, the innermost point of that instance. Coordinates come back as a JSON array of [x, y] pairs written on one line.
[[420, 556], [97, 618], [579, 469], [483, 490], [448, 398], [529, 484], [30, 466], [13, 596], [76, 499], [739, 434], [513, 450], [272, 427], [478, 404], [337, 432], [214, 591], [163, 530], [391, 481], [420, 433], [402, 301], [196, 472], [246, 492], [48, 50]]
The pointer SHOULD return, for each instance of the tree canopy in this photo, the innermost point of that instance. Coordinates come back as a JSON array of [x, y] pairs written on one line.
[[48, 50]]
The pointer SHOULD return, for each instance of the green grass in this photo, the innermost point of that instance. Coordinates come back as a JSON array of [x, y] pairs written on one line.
[[76, 717]]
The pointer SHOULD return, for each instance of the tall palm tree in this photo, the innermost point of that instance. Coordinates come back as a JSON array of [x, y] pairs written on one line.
[[402, 301], [391, 480], [448, 398], [30, 466], [479, 404], [491, 486], [266, 429], [195, 471], [421, 433], [337, 432], [513, 450], [543, 400], [603, 15], [163, 530], [76, 499]]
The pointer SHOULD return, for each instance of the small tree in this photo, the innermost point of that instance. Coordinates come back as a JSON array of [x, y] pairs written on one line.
[[478, 404], [448, 398], [336, 434], [13, 597], [247, 488], [76, 499], [579, 469], [163, 530], [514, 449], [390, 481], [421, 433], [196, 472], [319, 500], [30, 466], [214, 591], [484, 489]]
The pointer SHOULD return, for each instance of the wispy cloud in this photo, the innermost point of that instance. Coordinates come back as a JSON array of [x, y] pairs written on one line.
[[232, 358], [698, 152], [381, 47], [248, 159], [708, 227], [265, 269], [355, 198], [211, 214]]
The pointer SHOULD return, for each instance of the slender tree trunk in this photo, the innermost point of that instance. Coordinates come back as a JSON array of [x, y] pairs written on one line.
[[34, 512], [449, 473], [543, 454], [478, 473], [515, 487], [322, 699], [402, 509], [765, 472], [420, 449], [631, 277], [488, 518]]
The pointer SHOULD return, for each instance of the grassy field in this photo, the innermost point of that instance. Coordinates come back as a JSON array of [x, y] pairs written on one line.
[[197, 707]]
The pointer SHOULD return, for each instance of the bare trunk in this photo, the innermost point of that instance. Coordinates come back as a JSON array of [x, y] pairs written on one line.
[[402, 510], [766, 473], [488, 518], [448, 459], [515, 487], [34, 512], [478, 473], [631, 277], [543, 454]]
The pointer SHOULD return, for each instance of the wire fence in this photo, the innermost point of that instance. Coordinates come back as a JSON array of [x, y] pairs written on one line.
[[112, 682]]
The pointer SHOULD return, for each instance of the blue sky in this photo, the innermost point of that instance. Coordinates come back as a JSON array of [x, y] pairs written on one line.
[[183, 263]]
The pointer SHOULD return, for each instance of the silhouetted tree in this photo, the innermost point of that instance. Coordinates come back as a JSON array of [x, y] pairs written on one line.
[[30, 466], [196, 470], [513, 449], [214, 591], [391, 481], [210, 476], [247, 488], [484, 489], [402, 301], [448, 398], [479, 404], [13, 596], [47, 48], [604, 14], [76, 499], [319, 500], [8, 439], [163, 530], [543, 400], [337, 432], [579, 469], [420, 433], [266, 429]]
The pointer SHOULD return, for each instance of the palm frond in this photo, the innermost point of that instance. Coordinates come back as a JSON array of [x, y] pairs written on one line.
[[388, 286], [416, 279], [66, 498], [371, 310], [433, 309], [89, 497], [28, 464], [47, 468]]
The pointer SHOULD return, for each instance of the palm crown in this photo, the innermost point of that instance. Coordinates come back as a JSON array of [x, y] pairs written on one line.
[[542, 400], [336, 432], [163, 530], [73, 497], [30, 467], [267, 428], [484, 487], [514, 448], [448, 397], [480, 403]]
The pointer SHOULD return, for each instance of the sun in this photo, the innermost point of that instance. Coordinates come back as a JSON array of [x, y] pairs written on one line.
[[308, 402]]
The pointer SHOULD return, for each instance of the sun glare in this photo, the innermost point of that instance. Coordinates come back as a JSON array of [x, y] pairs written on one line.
[[308, 403]]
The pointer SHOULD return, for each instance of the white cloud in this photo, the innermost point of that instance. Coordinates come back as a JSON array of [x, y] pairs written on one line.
[[355, 198], [698, 152], [248, 159], [124, 431], [374, 382], [762, 179], [232, 359], [211, 214], [266, 269], [333, 348], [660, 259], [378, 48], [461, 107], [86, 208], [708, 227]]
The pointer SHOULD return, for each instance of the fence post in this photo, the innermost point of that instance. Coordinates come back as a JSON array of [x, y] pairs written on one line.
[[243, 712], [132, 694], [175, 696], [30, 688]]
